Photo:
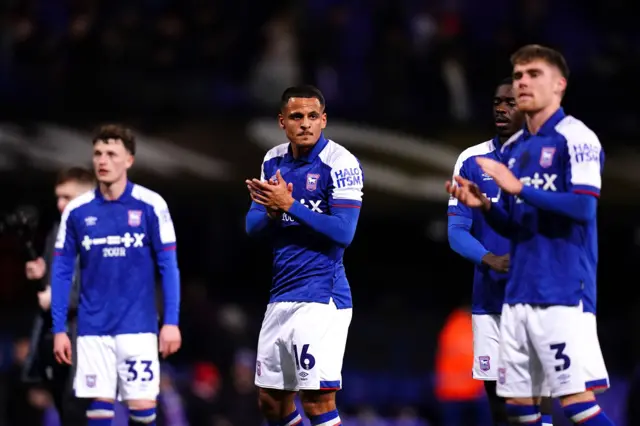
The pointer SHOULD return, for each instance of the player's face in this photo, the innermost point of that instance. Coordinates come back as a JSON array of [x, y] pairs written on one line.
[[303, 119], [111, 160], [507, 117], [537, 85], [67, 191]]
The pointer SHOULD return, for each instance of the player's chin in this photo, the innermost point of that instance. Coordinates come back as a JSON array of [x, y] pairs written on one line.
[[306, 140], [106, 179]]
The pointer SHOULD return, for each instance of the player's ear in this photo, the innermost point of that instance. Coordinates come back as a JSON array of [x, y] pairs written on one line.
[[324, 120], [281, 121], [130, 160], [561, 85]]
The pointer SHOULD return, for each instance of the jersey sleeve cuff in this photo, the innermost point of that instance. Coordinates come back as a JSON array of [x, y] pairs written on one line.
[[586, 189]]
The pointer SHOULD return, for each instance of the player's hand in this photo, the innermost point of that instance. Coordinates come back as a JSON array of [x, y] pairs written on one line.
[[272, 212], [35, 269], [44, 298], [497, 263], [278, 196], [170, 340], [501, 175], [62, 348], [467, 192]]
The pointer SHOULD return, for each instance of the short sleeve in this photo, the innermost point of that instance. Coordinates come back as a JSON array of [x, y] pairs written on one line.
[[163, 233], [66, 240], [347, 181], [456, 208], [584, 159]]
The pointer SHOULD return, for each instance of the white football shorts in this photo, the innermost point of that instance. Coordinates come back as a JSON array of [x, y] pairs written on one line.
[[301, 346], [555, 346], [126, 365], [486, 346]]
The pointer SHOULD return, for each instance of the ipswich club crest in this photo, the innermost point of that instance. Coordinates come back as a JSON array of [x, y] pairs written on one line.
[[546, 156], [485, 363], [135, 217], [90, 380], [312, 181]]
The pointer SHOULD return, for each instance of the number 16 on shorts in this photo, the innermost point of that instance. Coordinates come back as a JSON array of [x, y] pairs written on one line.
[[304, 359]]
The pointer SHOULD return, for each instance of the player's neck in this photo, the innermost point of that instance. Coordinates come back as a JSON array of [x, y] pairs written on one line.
[[299, 151], [113, 191], [535, 120]]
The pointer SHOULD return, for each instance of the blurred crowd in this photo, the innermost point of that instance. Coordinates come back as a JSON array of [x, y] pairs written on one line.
[[435, 61]]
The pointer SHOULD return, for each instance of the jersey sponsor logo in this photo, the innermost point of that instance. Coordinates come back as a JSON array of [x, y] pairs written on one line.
[[546, 182], [135, 217], [116, 245], [313, 205], [585, 152], [485, 362], [546, 156], [348, 177], [493, 199], [312, 181], [90, 220]]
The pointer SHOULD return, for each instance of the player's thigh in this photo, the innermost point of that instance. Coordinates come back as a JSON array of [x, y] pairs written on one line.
[[557, 334], [275, 366], [138, 366], [520, 373], [95, 371], [595, 370], [486, 346], [319, 341]]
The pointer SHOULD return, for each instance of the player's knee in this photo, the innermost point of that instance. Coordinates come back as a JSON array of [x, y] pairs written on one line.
[[520, 401], [141, 404], [275, 404], [100, 410], [575, 398], [319, 402]]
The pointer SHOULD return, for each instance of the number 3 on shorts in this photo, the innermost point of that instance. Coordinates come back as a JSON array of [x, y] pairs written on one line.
[[561, 356], [139, 369]]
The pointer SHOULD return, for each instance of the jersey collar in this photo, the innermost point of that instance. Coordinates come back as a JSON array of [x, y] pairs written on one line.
[[548, 128], [497, 145], [315, 151], [126, 195]]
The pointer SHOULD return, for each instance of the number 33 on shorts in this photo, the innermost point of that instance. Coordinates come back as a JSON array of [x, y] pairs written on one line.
[[140, 370]]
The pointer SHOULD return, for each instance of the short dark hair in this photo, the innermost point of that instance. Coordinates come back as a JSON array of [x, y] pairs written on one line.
[[508, 81], [304, 91], [75, 174], [531, 52], [117, 132]]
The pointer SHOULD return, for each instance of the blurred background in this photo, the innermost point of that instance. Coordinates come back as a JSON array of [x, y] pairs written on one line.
[[409, 85]]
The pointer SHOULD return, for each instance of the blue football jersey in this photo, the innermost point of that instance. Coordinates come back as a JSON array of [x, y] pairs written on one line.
[[488, 285], [122, 245], [307, 266], [554, 258]]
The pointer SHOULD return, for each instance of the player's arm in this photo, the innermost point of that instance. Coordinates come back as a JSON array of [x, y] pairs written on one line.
[[62, 270], [583, 166], [257, 219], [163, 240], [345, 200], [460, 221], [497, 215]]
